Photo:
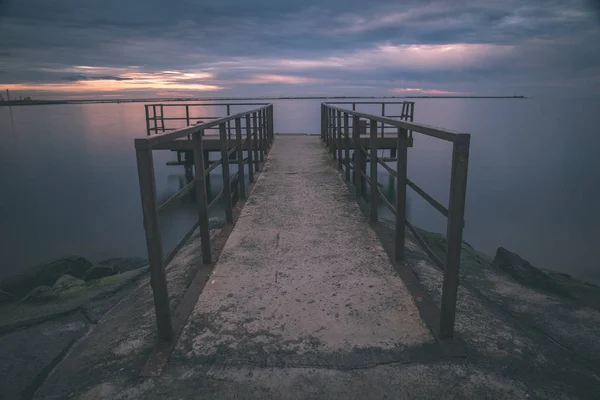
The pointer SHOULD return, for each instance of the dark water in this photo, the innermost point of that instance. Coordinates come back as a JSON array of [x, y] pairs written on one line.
[[68, 178]]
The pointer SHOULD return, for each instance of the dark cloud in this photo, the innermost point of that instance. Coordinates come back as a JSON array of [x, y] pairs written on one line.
[[551, 40], [81, 77]]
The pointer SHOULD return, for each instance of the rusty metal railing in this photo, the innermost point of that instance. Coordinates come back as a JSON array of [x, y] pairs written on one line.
[[258, 124], [341, 130]]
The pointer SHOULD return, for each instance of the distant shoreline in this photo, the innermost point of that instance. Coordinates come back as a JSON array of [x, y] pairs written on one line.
[[96, 101]]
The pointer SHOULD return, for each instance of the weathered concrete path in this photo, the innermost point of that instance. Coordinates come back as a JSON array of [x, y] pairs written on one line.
[[303, 280]]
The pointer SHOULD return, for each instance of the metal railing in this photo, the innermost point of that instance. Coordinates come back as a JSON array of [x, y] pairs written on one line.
[[341, 130], [258, 125], [155, 115]]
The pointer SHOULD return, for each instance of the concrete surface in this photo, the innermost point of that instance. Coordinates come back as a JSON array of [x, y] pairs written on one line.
[[303, 279], [306, 306]]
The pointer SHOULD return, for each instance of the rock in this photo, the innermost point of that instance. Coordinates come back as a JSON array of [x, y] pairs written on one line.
[[214, 223], [526, 274], [41, 294], [124, 264], [67, 281], [100, 271], [46, 274], [6, 297]]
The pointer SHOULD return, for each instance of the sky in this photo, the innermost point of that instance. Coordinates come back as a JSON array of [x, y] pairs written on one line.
[[52, 49]]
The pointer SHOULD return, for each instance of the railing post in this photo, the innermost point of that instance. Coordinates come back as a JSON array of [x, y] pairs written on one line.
[[322, 121], [158, 279], [199, 163], [265, 137], [228, 123], [373, 174], [334, 134], [383, 115], [456, 212], [357, 155], [226, 177], [249, 148], [147, 120], [162, 117], [261, 128], [187, 114], [255, 141], [347, 146], [339, 139], [401, 162], [240, 152], [272, 123], [329, 128]]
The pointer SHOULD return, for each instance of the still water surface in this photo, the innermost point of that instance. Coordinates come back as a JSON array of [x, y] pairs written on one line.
[[68, 178]]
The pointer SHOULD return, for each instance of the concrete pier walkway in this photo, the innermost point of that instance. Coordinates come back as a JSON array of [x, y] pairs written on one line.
[[303, 280]]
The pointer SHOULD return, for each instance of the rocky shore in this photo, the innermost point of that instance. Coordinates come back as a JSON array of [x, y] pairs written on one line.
[[46, 308]]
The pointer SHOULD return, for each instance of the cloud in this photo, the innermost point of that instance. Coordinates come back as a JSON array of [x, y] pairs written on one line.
[[333, 46], [81, 77]]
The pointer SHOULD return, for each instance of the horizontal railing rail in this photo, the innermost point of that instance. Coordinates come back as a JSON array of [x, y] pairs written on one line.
[[158, 118], [258, 126], [342, 131]]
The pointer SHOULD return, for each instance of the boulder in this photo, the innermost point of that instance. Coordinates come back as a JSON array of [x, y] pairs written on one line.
[[42, 294], [46, 274], [214, 223], [100, 271], [6, 297], [526, 274], [67, 281], [124, 264]]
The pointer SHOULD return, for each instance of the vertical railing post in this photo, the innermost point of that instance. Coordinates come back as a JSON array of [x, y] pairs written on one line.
[[187, 114], [272, 123], [147, 120], [249, 148], [261, 128], [240, 153], [339, 139], [201, 193], [226, 177], [347, 145], [155, 120], [383, 115], [401, 162], [158, 279], [334, 135], [456, 213], [255, 141], [322, 121], [373, 174], [162, 118], [357, 155], [265, 137], [228, 123]]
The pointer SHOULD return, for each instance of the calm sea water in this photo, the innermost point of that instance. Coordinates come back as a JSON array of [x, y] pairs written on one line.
[[68, 178]]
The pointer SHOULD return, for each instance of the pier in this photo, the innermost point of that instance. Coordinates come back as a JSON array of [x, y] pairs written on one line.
[[300, 203]]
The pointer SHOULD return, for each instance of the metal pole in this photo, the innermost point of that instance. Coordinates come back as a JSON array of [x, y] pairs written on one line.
[[373, 175], [158, 279], [201, 194], [255, 141], [226, 177], [228, 123], [347, 146], [456, 212], [339, 139], [249, 148], [357, 155], [147, 120], [240, 152], [401, 162]]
